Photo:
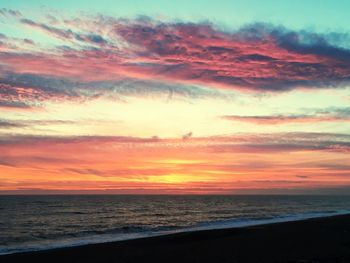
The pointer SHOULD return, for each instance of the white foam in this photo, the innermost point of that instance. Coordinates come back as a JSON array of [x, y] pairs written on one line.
[[105, 238]]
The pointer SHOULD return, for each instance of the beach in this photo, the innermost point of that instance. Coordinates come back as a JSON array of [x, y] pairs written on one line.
[[314, 240]]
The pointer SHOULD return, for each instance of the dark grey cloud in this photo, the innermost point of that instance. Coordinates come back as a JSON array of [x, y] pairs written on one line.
[[315, 115], [66, 34], [28, 90], [201, 53], [273, 142], [10, 124], [286, 142], [187, 136], [14, 104], [34, 160], [336, 167], [10, 12], [32, 139]]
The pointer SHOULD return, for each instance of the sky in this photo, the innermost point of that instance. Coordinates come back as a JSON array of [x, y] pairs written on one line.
[[174, 97]]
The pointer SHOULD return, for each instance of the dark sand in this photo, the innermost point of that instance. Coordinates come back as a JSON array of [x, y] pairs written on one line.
[[315, 240]]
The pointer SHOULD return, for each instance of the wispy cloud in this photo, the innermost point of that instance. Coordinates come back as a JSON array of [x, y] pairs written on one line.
[[66, 34], [335, 115], [11, 124], [285, 142], [10, 12], [293, 141]]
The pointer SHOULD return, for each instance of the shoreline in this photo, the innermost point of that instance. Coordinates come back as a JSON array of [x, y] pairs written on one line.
[[328, 238], [208, 226]]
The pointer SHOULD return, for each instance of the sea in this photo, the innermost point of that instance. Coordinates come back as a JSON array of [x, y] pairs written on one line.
[[31, 223]]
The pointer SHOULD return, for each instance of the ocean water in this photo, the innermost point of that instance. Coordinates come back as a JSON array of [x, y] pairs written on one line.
[[30, 223]]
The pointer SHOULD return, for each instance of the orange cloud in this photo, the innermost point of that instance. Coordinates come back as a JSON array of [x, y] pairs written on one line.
[[207, 164]]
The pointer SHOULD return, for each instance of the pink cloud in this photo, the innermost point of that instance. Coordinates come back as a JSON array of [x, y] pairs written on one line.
[[285, 119], [259, 57]]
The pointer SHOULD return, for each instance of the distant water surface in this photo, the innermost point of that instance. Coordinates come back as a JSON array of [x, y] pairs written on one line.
[[40, 222]]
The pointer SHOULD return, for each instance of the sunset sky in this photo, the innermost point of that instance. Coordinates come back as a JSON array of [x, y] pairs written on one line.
[[174, 97]]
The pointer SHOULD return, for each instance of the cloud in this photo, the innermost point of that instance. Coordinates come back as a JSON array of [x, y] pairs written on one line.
[[14, 105], [34, 161], [269, 142], [336, 167], [66, 34], [10, 124], [283, 142], [340, 116], [32, 139], [285, 119], [129, 173], [258, 57], [187, 136], [40, 151], [37, 87], [14, 44], [28, 41], [19, 97], [107, 162], [20, 91], [10, 12], [302, 176]]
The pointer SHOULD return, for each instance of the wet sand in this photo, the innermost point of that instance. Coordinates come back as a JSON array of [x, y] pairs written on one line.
[[314, 240]]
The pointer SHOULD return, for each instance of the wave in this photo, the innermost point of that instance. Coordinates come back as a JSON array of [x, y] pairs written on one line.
[[134, 232]]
